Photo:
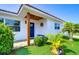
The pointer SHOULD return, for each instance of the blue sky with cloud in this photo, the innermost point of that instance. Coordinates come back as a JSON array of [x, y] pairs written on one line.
[[67, 12]]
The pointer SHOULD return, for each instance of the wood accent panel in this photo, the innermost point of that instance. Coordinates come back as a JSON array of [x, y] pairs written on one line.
[[34, 17]]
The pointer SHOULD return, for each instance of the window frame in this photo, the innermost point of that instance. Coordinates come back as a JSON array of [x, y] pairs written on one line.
[[57, 26], [3, 19], [13, 25]]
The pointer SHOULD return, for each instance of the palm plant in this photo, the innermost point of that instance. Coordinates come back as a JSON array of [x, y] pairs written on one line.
[[57, 43], [70, 29], [76, 28]]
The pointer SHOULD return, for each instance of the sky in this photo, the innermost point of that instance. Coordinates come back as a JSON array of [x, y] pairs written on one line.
[[67, 12]]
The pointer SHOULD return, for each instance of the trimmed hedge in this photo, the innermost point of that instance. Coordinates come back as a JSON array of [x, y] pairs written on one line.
[[6, 39]]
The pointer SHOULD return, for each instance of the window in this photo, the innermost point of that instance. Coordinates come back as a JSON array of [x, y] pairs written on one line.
[[57, 26], [1, 20], [13, 24]]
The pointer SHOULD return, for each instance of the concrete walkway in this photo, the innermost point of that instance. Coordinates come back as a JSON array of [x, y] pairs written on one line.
[[21, 44]]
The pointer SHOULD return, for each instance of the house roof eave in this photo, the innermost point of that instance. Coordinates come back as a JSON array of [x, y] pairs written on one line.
[[16, 13]]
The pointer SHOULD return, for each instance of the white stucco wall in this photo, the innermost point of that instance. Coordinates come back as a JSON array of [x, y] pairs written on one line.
[[22, 34], [51, 27], [38, 28], [47, 28]]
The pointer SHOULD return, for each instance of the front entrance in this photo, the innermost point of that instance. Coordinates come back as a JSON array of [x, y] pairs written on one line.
[[30, 26], [31, 30]]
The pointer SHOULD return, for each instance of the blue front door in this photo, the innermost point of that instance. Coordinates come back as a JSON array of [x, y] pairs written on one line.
[[31, 30]]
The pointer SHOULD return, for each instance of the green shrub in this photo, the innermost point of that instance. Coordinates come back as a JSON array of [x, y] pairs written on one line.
[[38, 41], [6, 39], [44, 40], [65, 37]]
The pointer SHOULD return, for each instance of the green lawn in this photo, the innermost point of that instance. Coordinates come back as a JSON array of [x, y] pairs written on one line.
[[46, 49], [34, 50], [72, 49]]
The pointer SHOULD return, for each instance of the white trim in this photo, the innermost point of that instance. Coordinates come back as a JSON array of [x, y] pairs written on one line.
[[27, 7]]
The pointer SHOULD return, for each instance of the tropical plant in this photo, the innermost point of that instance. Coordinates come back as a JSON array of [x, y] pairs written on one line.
[[6, 39], [58, 42], [76, 28], [70, 29], [50, 37]]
